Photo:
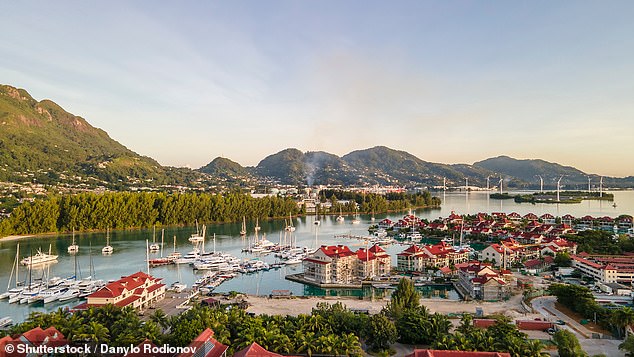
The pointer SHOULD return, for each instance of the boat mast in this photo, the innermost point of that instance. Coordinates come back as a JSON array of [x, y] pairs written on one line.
[[147, 256], [14, 268], [162, 240]]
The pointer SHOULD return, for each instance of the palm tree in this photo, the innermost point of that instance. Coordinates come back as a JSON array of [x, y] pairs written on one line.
[[305, 342], [160, 318], [93, 332], [622, 318]]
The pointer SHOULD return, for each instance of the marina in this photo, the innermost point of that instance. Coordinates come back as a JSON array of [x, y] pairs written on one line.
[[251, 272]]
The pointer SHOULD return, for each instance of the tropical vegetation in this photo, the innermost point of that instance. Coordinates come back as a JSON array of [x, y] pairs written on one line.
[[123, 210]]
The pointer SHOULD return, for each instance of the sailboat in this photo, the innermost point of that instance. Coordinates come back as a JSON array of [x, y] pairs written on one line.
[[257, 225], [290, 227], [196, 237], [154, 247], [356, 219], [340, 217], [73, 248], [243, 231], [19, 286], [174, 255], [108, 248]]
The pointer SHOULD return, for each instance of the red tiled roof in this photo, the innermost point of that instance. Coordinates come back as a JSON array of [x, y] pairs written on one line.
[[51, 335], [338, 251], [364, 256], [127, 301], [206, 346], [255, 350]]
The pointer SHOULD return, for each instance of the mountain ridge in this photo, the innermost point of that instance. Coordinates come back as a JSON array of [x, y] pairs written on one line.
[[41, 141]]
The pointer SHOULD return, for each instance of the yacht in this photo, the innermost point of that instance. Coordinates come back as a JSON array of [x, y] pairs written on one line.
[[178, 287], [108, 248], [71, 293], [40, 258], [6, 321], [340, 217], [197, 237]]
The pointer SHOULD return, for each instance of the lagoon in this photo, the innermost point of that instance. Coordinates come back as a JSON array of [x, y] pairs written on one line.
[[129, 247]]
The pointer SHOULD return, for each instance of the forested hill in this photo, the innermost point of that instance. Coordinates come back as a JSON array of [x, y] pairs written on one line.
[[39, 139], [383, 165]]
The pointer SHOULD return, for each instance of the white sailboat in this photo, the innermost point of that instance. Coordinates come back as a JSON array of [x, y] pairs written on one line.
[[257, 225], [243, 231], [19, 286], [174, 255], [108, 248], [290, 227], [154, 247], [356, 219], [73, 248], [340, 217], [197, 237]]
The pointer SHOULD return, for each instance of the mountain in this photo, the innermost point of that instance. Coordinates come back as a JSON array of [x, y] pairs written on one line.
[[42, 141], [529, 170], [383, 165], [378, 165], [292, 166], [225, 168]]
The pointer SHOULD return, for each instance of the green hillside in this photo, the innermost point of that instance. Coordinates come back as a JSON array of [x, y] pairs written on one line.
[[42, 141]]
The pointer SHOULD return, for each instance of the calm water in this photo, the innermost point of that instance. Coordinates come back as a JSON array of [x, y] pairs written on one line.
[[129, 246]]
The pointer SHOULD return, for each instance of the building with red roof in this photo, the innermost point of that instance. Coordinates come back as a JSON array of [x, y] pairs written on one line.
[[339, 265], [205, 345], [416, 258], [35, 337], [482, 282], [255, 350], [138, 290]]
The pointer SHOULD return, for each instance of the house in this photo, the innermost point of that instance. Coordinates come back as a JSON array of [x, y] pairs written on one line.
[[548, 218], [255, 350], [483, 282], [440, 255], [138, 290], [443, 353], [34, 337], [339, 265], [539, 265], [411, 259], [373, 262], [205, 345], [330, 265]]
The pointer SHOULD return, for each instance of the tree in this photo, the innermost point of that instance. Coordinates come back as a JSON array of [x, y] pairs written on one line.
[[562, 259], [405, 297], [381, 332], [567, 344], [628, 345], [622, 318]]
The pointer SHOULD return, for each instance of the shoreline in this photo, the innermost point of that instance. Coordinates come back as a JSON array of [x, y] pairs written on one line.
[[24, 236], [15, 237]]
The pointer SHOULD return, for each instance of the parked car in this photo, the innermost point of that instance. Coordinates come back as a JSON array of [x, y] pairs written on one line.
[[560, 322]]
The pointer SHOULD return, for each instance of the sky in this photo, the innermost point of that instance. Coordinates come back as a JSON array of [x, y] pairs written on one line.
[[448, 81]]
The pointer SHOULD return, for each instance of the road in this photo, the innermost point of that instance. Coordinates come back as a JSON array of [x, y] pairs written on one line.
[[546, 307]]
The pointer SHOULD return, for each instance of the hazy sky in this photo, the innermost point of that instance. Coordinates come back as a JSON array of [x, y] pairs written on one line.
[[448, 81]]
